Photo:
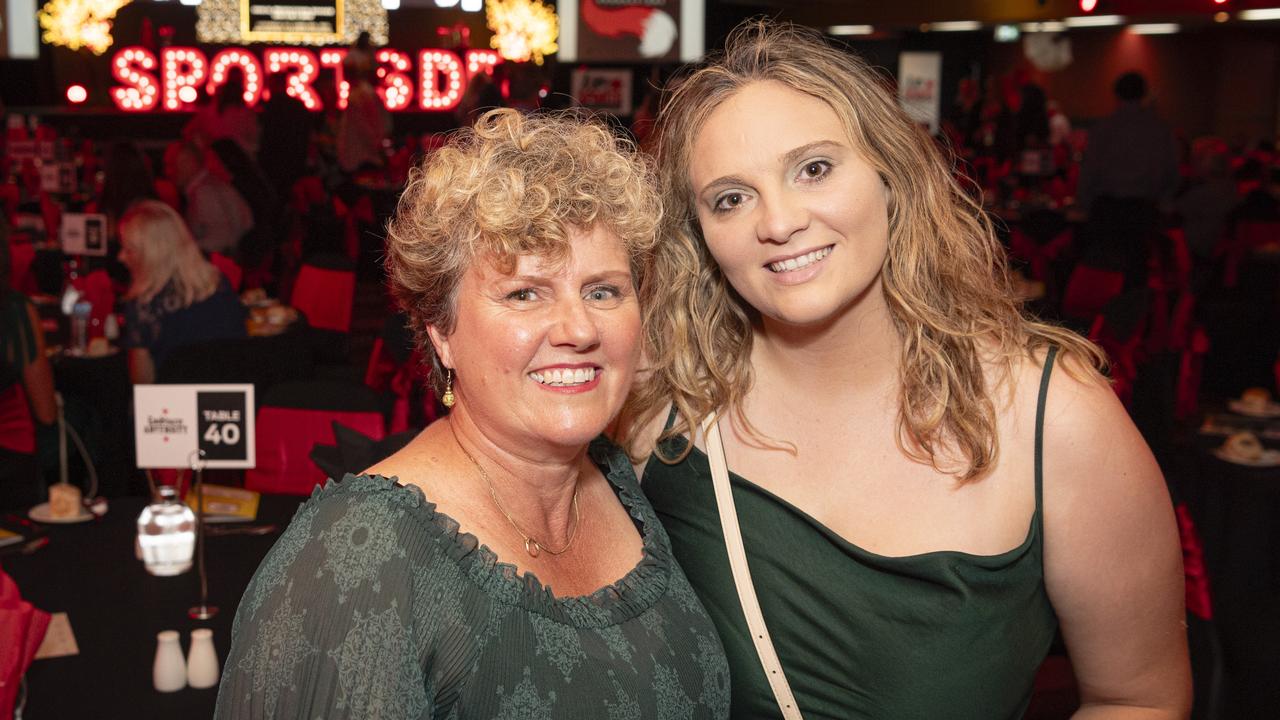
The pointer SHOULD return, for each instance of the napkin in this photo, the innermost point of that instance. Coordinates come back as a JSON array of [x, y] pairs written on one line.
[[22, 629], [355, 451]]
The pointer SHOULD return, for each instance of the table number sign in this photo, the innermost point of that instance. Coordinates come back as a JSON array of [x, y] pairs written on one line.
[[84, 234], [172, 422]]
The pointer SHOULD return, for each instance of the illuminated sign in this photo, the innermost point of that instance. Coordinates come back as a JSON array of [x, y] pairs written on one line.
[[291, 20], [170, 82]]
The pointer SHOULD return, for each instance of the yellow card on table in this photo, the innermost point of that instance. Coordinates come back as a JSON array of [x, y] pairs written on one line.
[[226, 504]]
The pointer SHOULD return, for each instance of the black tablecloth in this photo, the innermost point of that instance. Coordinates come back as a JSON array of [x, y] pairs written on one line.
[[115, 609], [1237, 512]]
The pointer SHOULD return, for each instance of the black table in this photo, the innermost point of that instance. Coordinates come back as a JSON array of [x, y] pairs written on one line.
[[115, 608], [1237, 512]]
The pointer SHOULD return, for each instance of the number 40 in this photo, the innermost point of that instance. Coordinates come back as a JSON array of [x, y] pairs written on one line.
[[226, 433]]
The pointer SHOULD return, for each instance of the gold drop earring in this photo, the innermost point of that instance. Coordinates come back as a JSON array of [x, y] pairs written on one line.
[[448, 399]]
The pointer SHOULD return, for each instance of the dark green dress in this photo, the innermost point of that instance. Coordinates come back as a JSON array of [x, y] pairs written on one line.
[[939, 635], [374, 605]]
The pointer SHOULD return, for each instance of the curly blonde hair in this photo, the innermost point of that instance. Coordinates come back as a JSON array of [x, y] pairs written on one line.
[[944, 276], [514, 185]]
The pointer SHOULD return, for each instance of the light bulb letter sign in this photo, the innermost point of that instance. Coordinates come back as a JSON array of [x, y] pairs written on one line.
[[132, 66], [301, 66], [183, 67], [440, 74]]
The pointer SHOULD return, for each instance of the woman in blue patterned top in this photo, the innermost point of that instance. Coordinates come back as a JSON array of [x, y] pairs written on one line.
[[504, 564]]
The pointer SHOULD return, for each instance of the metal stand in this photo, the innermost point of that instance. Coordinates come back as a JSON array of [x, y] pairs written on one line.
[[203, 611]]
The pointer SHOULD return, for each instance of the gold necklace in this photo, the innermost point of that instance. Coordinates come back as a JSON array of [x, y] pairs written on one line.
[[531, 545]]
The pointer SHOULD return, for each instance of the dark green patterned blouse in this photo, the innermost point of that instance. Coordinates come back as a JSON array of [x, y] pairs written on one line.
[[374, 605]]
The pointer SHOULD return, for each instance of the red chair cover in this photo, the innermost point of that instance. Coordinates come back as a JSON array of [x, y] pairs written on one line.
[[21, 255], [325, 297], [52, 214], [10, 197], [1249, 236], [229, 269], [1190, 371], [1089, 289], [17, 430], [168, 194], [22, 629], [285, 437], [1199, 601], [97, 289]]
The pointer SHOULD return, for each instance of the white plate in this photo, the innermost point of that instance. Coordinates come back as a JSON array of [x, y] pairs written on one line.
[[1271, 410], [1270, 458], [42, 513]]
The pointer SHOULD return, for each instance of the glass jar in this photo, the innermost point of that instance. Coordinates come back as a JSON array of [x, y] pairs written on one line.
[[167, 534]]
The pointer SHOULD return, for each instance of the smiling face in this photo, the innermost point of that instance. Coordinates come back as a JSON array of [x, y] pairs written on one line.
[[794, 215], [545, 355]]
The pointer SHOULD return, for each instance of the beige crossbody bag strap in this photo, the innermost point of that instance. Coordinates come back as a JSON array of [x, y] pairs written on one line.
[[742, 573]]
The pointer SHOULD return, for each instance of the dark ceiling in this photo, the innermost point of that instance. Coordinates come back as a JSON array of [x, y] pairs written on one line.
[[908, 13]]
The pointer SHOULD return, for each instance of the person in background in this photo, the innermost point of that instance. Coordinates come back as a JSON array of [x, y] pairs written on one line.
[[286, 136], [232, 117], [127, 178], [364, 124], [1207, 203], [216, 213], [504, 564], [26, 390], [925, 477], [176, 297], [1128, 175]]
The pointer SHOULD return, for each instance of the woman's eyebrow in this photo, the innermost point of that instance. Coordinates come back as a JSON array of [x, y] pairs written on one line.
[[797, 154]]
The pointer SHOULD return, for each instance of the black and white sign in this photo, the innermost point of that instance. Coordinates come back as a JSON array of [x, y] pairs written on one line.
[[83, 234], [291, 20], [173, 422]]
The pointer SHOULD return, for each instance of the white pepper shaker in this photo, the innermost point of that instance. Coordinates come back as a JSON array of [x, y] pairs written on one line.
[[202, 660], [169, 672]]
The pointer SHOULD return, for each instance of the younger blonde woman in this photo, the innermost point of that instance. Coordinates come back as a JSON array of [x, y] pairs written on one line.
[[175, 297], [928, 483]]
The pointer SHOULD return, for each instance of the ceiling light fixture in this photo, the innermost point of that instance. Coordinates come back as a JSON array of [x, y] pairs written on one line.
[[955, 26], [1155, 28], [1049, 26], [1093, 21], [1260, 14], [850, 30]]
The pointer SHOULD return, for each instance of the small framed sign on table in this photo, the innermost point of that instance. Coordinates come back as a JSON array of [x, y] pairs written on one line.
[[174, 422]]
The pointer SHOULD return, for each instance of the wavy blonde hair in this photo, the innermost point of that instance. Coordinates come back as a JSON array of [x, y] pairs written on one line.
[[164, 252], [514, 185], [944, 276]]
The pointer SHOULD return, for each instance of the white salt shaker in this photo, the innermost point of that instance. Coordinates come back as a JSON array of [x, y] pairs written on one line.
[[169, 673], [202, 660]]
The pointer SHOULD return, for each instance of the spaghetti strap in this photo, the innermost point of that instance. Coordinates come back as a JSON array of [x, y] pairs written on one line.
[[671, 418], [1044, 392]]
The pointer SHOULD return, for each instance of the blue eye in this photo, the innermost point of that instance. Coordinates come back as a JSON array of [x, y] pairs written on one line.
[[604, 293]]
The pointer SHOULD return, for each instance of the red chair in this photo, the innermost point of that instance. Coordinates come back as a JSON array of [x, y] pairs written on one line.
[[1089, 289], [285, 437], [52, 214], [169, 194], [21, 255], [1249, 236], [229, 269], [325, 296], [97, 289]]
